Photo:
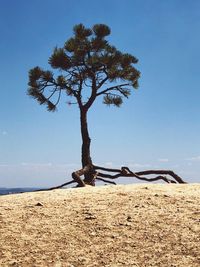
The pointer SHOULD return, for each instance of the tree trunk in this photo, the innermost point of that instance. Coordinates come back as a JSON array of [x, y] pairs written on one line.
[[85, 152]]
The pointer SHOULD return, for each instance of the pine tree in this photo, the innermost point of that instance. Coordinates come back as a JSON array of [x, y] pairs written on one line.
[[87, 67]]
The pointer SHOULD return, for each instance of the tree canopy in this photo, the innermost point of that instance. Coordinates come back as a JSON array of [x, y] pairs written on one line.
[[86, 67]]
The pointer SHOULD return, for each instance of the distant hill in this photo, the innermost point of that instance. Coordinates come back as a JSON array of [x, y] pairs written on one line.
[[7, 191]]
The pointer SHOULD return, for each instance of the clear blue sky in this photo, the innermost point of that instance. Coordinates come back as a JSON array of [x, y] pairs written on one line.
[[158, 127]]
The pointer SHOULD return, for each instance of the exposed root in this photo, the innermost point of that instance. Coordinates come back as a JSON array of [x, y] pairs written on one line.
[[77, 176], [93, 174], [56, 187], [105, 181], [126, 172]]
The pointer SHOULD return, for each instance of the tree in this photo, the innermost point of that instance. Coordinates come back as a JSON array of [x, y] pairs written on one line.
[[88, 67]]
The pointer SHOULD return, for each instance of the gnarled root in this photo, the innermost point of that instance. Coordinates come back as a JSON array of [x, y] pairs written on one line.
[[56, 187], [126, 172], [104, 176], [92, 173]]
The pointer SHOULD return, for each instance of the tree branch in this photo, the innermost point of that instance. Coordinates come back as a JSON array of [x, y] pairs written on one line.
[[112, 88], [93, 95], [58, 98], [102, 82]]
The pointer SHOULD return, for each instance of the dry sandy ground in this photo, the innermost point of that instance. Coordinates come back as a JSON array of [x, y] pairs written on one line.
[[132, 225]]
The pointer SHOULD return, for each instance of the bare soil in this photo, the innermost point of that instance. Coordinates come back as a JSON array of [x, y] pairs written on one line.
[[126, 225]]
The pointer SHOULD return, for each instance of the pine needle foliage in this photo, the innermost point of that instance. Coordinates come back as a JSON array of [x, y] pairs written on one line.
[[86, 62]]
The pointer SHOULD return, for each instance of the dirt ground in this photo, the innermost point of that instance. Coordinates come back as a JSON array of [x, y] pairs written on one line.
[[126, 225]]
